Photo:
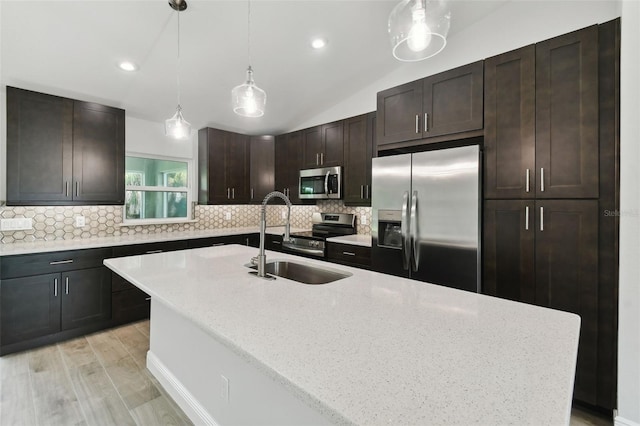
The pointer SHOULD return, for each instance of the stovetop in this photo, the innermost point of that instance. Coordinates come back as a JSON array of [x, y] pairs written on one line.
[[326, 225]]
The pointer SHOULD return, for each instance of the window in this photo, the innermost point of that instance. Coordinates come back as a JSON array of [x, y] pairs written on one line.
[[156, 190]]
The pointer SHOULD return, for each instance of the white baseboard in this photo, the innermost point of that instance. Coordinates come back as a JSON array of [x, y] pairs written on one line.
[[621, 421], [192, 408]]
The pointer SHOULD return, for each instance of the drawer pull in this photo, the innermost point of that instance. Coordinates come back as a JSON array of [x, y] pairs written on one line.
[[61, 262], [348, 253], [66, 285], [153, 251], [55, 287], [147, 298], [217, 244]]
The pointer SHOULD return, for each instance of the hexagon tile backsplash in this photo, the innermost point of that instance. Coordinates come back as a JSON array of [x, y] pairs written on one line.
[[57, 223]]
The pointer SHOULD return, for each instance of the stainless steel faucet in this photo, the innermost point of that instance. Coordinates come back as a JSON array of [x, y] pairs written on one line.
[[261, 258]]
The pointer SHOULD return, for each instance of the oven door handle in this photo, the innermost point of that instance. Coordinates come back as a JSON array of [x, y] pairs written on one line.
[[315, 252], [326, 183]]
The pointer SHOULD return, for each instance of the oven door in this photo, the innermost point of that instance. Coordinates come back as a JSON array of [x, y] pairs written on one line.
[[325, 183], [304, 247]]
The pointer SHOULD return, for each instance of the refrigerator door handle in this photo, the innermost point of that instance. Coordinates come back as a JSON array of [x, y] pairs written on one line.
[[414, 231], [404, 231]]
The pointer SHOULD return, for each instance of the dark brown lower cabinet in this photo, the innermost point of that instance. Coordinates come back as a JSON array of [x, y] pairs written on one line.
[[348, 254], [551, 260], [86, 297]]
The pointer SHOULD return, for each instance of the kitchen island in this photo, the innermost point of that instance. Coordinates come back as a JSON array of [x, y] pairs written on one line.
[[368, 349]]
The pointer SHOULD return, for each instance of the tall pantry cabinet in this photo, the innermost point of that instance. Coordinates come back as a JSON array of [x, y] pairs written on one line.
[[551, 189]]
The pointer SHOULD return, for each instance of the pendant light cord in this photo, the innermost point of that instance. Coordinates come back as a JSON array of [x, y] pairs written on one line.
[[249, 30], [178, 73]]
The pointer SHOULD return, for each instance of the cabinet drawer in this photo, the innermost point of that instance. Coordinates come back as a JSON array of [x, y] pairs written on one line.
[[349, 254], [137, 249], [45, 263]]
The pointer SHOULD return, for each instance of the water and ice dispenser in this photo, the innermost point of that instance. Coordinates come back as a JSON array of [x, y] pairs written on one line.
[[390, 228]]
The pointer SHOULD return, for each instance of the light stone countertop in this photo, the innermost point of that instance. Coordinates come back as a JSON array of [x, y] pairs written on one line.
[[373, 348], [100, 242], [354, 240]]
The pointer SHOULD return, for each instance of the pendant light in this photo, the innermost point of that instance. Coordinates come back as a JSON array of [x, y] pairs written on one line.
[[177, 127], [248, 99], [418, 29]]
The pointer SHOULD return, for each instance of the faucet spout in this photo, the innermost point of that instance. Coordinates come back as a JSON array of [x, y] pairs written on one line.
[[261, 259]]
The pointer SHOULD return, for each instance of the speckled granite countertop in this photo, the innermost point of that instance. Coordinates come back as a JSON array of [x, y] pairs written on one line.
[[355, 240], [373, 348], [89, 243]]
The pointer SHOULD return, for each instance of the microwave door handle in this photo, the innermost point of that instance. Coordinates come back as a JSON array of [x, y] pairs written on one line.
[[404, 231], [326, 183], [413, 226]]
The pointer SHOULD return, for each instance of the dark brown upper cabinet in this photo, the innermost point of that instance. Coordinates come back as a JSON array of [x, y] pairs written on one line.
[[323, 145], [567, 115], [358, 151], [63, 152], [444, 106], [509, 124], [261, 167], [223, 167], [288, 162]]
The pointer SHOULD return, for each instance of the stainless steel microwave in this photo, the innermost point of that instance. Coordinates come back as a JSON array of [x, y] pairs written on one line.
[[320, 184]]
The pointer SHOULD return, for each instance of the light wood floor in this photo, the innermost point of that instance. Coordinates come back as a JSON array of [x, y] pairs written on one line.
[[101, 379]]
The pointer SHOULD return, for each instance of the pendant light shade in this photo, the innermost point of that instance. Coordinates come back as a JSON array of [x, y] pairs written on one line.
[[248, 99], [418, 29], [177, 127]]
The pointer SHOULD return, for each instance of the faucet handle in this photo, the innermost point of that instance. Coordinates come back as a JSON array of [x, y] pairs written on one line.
[[254, 260]]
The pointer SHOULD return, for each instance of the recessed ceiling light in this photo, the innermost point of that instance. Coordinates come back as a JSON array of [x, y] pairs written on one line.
[[318, 43], [127, 66]]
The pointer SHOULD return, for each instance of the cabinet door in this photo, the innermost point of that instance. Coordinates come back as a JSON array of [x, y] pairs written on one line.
[[237, 165], [399, 110], [567, 115], [29, 307], [281, 163], [311, 147], [332, 144], [288, 164], [509, 124], [357, 160], [98, 153], [567, 276], [509, 250], [86, 297], [261, 168], [212, 182], [39, 147], [453, 101]]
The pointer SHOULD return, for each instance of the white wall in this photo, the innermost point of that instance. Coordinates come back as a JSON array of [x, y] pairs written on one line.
[[516, 24], [147, 137], [629, 290]]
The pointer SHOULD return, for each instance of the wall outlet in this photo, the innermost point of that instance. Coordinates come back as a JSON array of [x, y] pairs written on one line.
[[284, 214], [16, 224], [80, 221], [227, 216], [363, 219], [224, 388]]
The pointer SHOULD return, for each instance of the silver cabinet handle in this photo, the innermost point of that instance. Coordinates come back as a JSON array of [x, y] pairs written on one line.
[[414, 231], [233, 193], [348, 253], [526, 218], [317, 159], [367, 192], [252, 193], [147, 298], [228, 193], [55, 287], [541, 179], [66, 285], [77, 188], [66, 188], [542, 218], [321, 158], [153, 251], [426, 121], [276, 242], [526, 184], [61, 262], [362, 191], [417, 123], [404, 230]]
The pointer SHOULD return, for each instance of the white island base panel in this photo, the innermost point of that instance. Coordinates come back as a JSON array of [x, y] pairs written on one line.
[[213, 385], [368, 349]]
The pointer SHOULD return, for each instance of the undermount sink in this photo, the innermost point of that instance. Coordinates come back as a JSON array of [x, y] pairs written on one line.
[[302, 273]]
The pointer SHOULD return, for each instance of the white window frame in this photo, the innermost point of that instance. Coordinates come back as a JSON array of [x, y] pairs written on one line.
[[187, 189]]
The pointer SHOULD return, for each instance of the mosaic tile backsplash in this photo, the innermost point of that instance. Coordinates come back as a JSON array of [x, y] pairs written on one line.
[[57, 223]]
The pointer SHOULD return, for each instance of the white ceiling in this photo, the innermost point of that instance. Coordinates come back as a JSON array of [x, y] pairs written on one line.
[[71, 48]]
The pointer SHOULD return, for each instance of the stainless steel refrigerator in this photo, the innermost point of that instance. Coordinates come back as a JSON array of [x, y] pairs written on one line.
[[426, 215]]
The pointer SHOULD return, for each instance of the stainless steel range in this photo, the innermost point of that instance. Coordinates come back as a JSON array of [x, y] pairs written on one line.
[[325, 225]]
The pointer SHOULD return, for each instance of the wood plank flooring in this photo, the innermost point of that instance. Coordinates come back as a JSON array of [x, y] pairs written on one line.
[[101, 379]]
